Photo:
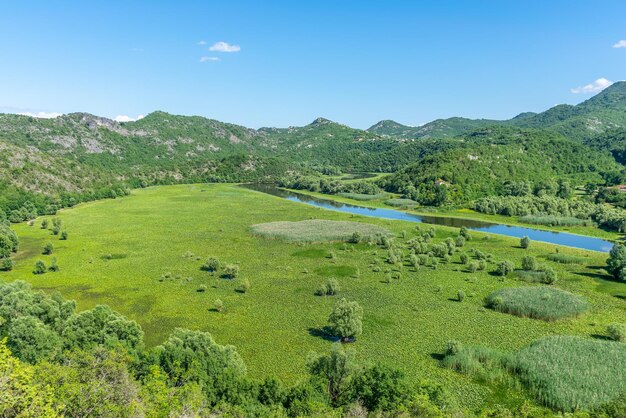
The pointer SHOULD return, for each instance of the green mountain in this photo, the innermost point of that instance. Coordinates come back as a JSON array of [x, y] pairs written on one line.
[[51, 162]]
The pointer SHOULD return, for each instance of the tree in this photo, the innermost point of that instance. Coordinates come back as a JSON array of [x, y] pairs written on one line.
[[346, 320], [616, 261], [504, 268], [31, 340], [40, 267], [524, 242], [336, 370], [211, 265], [53, 265], [63, 236], [355, 238], [529, 263], [44, 224], [381, 388], [7, 264], [245, 286]]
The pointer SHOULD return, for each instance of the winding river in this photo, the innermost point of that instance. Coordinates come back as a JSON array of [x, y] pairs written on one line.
[[558, 238]]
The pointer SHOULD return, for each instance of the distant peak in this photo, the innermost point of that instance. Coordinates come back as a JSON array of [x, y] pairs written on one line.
[[321, 121]]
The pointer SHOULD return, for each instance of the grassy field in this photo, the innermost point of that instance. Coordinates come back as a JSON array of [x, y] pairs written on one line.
[[118, 250]]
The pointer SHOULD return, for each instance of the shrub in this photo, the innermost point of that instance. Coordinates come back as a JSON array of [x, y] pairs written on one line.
[[453, 347], [322, 290], [47, 249], [245, 286], [460, 295], [464, 232], [56, 229], [346, 320], [64, 235], [565, 259], [40, 267], [231, 271], [460, 241], [472, 267], [211, 265], [549, 276], [53, 265], [355, 238], [524, 242], [529, 263], [538, 302], [202, 288], [464, 258], [617, 332], [218, 305], [44, 224], [481, 264], [504, 268], [7, 264]]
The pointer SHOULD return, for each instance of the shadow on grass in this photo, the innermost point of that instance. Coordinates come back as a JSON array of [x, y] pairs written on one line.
[[324, 333], [601, 337], [438, 356]]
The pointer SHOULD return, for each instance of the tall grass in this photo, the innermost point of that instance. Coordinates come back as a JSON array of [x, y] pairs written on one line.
[[538, 302], [363, 197], [531, 276], [565, 259], [317, 230], [565, 373], [551, 220], [398, 203], [570, 373]]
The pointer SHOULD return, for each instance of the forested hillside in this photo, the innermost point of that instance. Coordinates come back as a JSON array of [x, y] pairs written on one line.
[[53, 163]]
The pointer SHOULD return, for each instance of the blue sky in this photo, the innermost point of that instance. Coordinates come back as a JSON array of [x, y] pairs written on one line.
[[355, 62]]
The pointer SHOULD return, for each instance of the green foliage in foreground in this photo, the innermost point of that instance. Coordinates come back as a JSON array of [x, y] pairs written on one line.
[[317, 230], [539, 302], [56, 362], [563, 372]]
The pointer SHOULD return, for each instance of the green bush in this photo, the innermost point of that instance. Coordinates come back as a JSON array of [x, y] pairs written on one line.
[[231, 271], [245, 286], [7, 264], [460, 295], [218, 305], [346, 320], [524, 242], [63, 236], [504, 268], [53, 265], [40, 267], [48, 249], [529, 263], [538, 302], [211, 265], [617, 332]]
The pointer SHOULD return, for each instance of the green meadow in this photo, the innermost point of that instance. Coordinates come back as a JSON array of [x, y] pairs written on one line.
[[142, 255]]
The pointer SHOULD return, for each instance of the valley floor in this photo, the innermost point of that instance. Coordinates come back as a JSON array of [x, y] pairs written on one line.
[[118, 251]]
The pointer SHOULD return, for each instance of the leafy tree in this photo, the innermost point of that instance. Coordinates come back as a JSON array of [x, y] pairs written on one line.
[[6, 264], [529, 263], [524, 242], [336, 370], [101, 326], [355, 238], [504, 268], [380, 388], [31, 340], [346, 320], [44, 224], [40, 267], [193, 356], [616, 261], [21, 394], [211, 265]]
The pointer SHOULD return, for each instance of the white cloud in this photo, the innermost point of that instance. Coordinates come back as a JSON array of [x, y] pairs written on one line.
[[201, 43], [598, 85], [205, 59], [620, 44], [42, 115], [126, 118], [224, 47]]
